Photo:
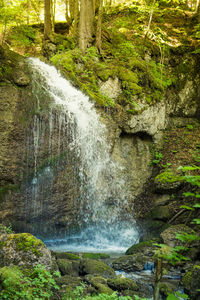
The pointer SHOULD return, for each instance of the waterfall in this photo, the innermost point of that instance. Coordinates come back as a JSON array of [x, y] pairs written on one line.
[[103, 221]]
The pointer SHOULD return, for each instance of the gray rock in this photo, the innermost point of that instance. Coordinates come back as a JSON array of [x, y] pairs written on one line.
[[20, 78]]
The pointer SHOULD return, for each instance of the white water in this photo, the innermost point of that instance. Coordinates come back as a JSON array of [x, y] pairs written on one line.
[[103, 195]]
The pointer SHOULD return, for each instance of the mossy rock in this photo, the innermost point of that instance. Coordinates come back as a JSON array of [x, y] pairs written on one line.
[[130, 263], [94, 280], [191, 282], [95, 267], [26, 242], [10, 277], [96, 255], [25, 250], [120, 284], [69, 280], [167, 182], [104, 289], [146, 246], [66, 255], [68, 267], [160, 213]]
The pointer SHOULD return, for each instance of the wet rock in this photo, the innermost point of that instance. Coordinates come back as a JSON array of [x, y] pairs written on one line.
[[23, 249], [20, 78], [191, 282], [95, 267], [130, 263], [121, 284], [68, 267]]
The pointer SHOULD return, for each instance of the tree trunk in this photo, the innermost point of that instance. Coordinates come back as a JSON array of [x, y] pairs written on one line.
[[47, 20], [158, 277], [86, 24], [99, 25]]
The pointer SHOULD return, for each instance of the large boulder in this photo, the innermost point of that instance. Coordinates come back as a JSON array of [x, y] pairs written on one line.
[[121, 284], [99, 283], [68, 267], [23, 249], [95, 267]]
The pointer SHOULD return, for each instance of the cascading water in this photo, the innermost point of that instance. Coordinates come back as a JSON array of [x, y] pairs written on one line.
[[102, 220]]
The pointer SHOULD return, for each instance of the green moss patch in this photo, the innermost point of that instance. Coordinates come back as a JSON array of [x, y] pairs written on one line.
[[138, 247], [26, 242], [168, 177], [95, 255]]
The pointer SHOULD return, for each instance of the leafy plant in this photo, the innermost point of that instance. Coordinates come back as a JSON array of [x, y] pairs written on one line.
[[38, 284], [157, 158]]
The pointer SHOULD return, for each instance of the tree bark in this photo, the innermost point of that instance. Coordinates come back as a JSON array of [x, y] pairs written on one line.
[[86, 24], [158, 277], [99, 26], [47, 20]]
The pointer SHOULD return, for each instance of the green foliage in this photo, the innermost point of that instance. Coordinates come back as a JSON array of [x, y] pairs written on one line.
[[157, 158], [37, 284], [125, 50], [78, 294], [22, 35], [177, 296], [171, 254], [26, 242]]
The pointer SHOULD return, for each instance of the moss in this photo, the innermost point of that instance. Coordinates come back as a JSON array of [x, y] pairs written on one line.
[[165, 288], [168, 177], [8, 189], [120, 284], [95, 255], [68, 267], [104, 289], [138, 247], [95, 267], [66, 255], [127, 75], [26, 242], [10, 277]]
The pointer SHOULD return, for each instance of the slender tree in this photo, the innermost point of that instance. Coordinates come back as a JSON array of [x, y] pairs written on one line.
[[47, 20], [99, 26]]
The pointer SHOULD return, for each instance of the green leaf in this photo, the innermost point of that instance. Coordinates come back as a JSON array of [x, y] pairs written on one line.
[[172, 297], [187, 207], [196, 221], [197, 205], [188, 194]]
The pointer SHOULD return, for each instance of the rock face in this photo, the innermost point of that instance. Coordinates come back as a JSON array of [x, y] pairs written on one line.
[[40, 187]]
